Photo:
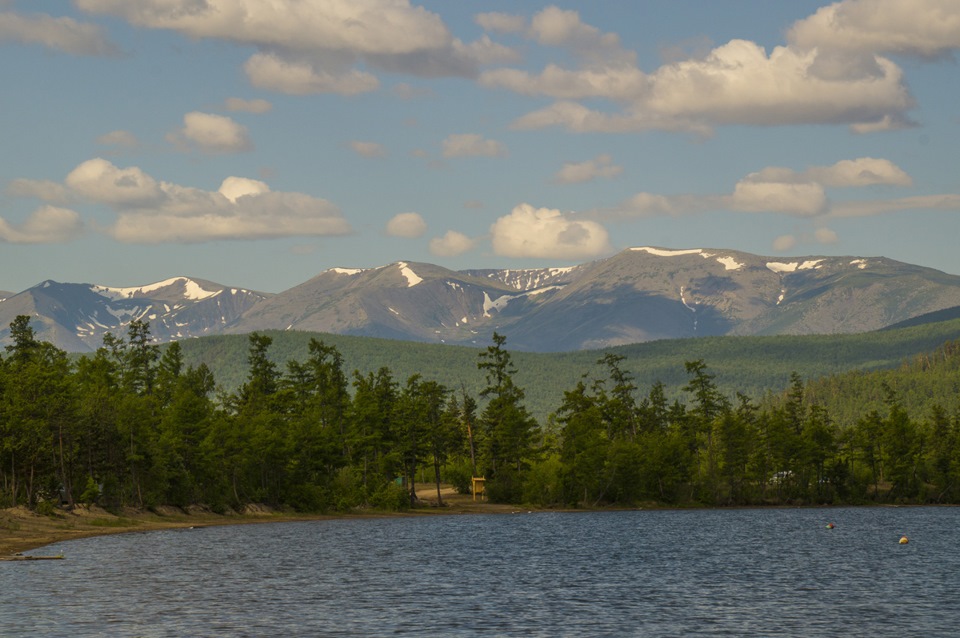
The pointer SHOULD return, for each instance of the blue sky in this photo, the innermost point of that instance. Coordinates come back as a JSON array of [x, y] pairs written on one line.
[[256, 143]]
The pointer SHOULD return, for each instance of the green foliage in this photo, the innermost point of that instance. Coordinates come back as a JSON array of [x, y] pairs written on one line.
[[136, 425]]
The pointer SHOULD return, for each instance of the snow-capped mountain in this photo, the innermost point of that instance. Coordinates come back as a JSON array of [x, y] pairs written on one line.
[[639, 294], [75, 317]]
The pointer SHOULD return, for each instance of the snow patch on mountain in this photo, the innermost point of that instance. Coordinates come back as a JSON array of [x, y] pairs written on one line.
[[412, 278], [780, 267], [859, 263], [347, 271], [501, 302], [660, 252], [191, 289], [729, 263]]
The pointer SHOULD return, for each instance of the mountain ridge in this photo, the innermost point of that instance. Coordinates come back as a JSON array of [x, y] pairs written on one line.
[[639, 294]]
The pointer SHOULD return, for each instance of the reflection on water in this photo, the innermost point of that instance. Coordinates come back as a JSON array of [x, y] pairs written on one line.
[[772, 572]]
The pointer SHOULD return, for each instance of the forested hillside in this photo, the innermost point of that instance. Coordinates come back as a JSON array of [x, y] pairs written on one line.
[[754, 366], [136, 426]]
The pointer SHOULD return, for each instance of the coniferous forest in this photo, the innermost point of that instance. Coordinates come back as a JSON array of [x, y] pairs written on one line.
[[134, 426]]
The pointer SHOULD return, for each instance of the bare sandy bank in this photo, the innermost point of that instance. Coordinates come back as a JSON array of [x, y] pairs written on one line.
[[22, 530]]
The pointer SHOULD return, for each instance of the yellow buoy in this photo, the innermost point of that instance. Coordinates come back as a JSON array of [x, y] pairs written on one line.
[[904, 540]]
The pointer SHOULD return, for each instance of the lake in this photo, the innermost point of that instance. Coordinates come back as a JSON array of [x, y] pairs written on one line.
[[758, 572]]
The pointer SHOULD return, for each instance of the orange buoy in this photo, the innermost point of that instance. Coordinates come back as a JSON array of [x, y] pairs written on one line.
[[904, 540], [830, 525]]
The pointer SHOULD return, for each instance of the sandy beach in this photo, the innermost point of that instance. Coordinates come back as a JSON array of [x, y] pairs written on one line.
[[22, 530]]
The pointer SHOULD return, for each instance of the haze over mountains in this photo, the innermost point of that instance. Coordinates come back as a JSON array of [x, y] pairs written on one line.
[[637, 295]]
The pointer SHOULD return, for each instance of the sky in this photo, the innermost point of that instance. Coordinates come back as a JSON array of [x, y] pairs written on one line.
[[257, 143]]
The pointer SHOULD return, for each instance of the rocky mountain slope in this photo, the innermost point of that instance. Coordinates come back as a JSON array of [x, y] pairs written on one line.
[[640, 294]]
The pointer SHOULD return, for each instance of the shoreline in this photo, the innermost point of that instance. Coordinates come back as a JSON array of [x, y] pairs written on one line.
[[22, 530]]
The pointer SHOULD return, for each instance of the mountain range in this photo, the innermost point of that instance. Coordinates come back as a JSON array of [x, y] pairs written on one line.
[[640, 294]]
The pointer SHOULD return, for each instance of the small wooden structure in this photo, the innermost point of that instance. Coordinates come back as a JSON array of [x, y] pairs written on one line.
[[479, 487]]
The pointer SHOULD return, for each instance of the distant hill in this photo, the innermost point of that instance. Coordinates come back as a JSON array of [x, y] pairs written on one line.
[[639, 295], [936, 316], [756, 366]]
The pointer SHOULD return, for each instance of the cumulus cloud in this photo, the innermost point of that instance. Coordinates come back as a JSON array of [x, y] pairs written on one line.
[[46, 225], [43, 189], [776, 189], [368, 149], [409, 225], [825, 236], [314, 46], [563, 28], [233, 188], [783, 243], [472, 145], [452, 243], [210, 133], [600, 166], [151, 211], [120, 139], [547, 233], [60, 34], [501, 22], [257, 106], [100, 181], [918, 27], [300, 77], [736, 83], [804, 199], [863, 171]]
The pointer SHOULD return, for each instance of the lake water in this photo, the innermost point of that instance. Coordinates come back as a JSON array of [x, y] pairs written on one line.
[[757, 572]]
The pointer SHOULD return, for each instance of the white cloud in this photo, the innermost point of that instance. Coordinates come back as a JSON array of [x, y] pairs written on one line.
[[100, 181], [124, 139], [601, 166], [371, 26], [257, 106], [452, 243], [46, 225], [60, 34], [409, 225], [614, 83], [863, 171], [784, 243], [149, 211], [547, 233], [501, 22], [776, 189], [297, 77], [210, 133], [472, 145], [485, 51], [315, 46], [737, 83], [805, 199], [368, 149], [43, 189], [918, 27], [825, 236], [233, 188]]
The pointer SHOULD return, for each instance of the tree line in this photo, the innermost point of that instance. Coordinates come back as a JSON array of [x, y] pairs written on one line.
[[133, 425]]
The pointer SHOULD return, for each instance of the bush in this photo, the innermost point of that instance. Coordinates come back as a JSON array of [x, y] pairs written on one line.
[[460, 476], [46, 508], [91, 493], [391, 497]]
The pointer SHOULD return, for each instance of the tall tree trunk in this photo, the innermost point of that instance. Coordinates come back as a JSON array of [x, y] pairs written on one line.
[[436, 473]]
